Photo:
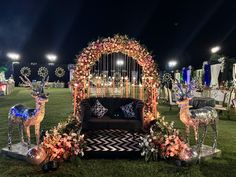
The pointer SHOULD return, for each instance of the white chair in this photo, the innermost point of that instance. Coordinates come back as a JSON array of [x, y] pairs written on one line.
[[234, 103], [171, 98], [223, 100], [163, 94]]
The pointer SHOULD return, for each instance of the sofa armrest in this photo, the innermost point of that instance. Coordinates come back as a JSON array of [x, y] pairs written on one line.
[[85, 109], [139, 111]]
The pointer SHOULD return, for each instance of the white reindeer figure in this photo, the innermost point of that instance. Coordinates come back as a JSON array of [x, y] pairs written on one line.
[[196, 118], [25, 117]]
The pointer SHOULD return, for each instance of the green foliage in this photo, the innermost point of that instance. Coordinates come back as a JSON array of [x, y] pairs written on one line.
[[3, 69], [215, 57]]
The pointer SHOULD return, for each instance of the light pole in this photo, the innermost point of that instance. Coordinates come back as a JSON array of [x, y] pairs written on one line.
[[215, 49], [172, 64], [14, 57], [51, 58]]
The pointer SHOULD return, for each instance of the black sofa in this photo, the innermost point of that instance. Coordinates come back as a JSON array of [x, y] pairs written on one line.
[[114, 118]]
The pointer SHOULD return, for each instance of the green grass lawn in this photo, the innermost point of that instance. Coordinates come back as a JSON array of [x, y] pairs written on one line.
[[59, 107]]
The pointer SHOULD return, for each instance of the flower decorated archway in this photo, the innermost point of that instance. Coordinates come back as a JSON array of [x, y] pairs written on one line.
[[129, 47]]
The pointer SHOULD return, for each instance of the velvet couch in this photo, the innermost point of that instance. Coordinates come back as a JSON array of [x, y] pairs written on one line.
[[114, 118]]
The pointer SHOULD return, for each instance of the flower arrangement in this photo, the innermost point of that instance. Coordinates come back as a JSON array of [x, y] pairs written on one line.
[[62, 147], [164, 141], [64, 141]]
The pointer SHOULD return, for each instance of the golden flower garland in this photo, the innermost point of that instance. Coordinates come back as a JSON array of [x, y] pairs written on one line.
[[129, 47]]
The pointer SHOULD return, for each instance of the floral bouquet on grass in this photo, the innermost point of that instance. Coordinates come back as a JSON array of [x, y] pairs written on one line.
[[61, 147], [64, 141], [164, 141]]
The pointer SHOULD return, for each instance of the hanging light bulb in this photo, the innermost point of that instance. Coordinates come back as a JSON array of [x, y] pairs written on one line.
[[120, 62]]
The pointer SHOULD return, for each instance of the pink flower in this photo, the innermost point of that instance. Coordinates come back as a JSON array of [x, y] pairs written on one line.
[[172, 154]]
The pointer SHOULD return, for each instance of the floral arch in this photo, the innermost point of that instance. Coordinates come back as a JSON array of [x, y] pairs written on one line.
[[129, 47]]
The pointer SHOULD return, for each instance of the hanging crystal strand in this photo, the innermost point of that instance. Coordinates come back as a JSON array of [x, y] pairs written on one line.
[[125, 65], [129, 76], [129, 61], [97, 64], [93, 69], [105, 74], [136, 77], [100, 66], [101, 77], [113, 76], [107, 79], [111, 65], [111, 59], [138, 74], [115, 58], [132, 69], [132, 78], [115, 62], [101, 62]]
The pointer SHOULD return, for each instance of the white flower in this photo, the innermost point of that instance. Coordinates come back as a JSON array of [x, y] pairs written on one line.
[[73, 134], [143, 153]]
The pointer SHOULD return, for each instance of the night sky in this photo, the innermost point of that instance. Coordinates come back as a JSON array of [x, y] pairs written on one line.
[[182, 29]]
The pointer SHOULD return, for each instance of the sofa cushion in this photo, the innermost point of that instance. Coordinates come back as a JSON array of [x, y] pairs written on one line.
[[128, 110], [112, 104], [98, 109]]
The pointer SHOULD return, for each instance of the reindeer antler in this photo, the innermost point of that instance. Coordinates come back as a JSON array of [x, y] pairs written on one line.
[[44, 82], [191, 86], [40, 89], [178, 89], [26, 80], [186, 93]]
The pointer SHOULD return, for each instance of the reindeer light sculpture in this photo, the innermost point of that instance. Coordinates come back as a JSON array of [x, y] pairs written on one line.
[[196, 118], [25, 117]]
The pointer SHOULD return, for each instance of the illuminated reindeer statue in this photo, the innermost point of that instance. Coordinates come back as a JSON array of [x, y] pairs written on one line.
[[196, 118], [25, 117]]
